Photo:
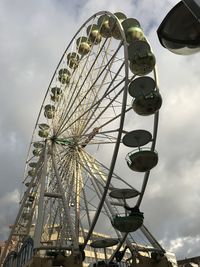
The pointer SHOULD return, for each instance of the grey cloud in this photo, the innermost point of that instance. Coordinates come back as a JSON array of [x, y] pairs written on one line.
[[34, 35]]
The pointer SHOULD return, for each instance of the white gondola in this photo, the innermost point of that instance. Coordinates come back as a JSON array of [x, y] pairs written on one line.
[[142, 60], [142, 160], [56, 94], [83, 45], [115, 32], [73, 60], [104, 27], [49, 111], [132, 30], [43, 130], [64, 76], [94, 34]]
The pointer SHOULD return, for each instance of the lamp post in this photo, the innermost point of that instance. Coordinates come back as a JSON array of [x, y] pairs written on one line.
[[179, 32]]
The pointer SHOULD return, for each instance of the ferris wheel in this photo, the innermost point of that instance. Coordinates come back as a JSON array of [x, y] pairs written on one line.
[[71, 186]]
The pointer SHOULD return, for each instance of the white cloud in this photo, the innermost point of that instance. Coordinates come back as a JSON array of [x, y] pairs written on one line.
[[9, 198], [8, 206], [189, 244]]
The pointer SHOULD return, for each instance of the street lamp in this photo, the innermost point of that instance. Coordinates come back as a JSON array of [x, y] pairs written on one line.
[[179, 32]]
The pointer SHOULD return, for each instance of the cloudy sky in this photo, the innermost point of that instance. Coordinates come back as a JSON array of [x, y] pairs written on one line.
[[34, 35]]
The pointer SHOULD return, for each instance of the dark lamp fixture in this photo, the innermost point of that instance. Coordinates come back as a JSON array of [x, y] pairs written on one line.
[[179, 32]]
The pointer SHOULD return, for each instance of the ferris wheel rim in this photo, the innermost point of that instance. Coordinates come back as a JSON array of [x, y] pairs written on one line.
[[120, 129]]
